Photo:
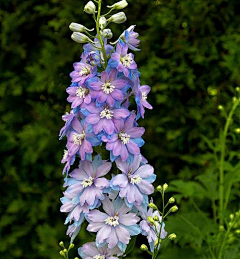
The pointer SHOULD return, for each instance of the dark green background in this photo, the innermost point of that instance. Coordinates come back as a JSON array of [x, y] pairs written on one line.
[[191, 58]]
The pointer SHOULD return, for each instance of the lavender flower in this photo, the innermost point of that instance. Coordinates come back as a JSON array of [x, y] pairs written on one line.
[[87, 182], [91, 251], [108, 88], [115, 226], [148, 228], [121, 60], [105, 118], [135, 182], [130, 38], [68, 117], [78, 95], [126, 140], [81, 140]]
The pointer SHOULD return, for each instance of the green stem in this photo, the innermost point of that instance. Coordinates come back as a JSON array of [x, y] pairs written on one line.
[[222, 160], [99, 34]]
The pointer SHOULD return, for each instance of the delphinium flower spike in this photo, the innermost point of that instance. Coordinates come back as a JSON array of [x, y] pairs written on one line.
[[113, 201]]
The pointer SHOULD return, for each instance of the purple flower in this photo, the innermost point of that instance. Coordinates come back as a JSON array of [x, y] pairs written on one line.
[[121, 60], [78, 95], [141, 93], [105, 118], [87, 182], [91, 251], [82, 72], [127, 140], [148, 229], [130, 38], [115, 226], [135, 182], [107, 89], [80, 140], [68, 117]]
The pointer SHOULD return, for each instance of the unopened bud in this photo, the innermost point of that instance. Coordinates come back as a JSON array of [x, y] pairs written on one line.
[[62, 253], [165, 186], [174, 209], [159, 188], [171, 200], [231, 217], [152, 205], [221, 228], [118, 18], [119, 5], [237, 89], [156, 243], [237, 130], [143, 247], [78, 27], [76, 258], [156, 218], [172, 236], [102, 22], [71, 246], [237, 231], [107, 34], [151, 220], [80, 37], [61, 244], [90, 8], [234, 99], [220, 107], [65, 251]]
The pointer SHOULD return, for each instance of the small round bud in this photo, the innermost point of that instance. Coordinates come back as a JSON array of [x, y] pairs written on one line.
[[80, 37], [119, 5], [165, 186], [172, 236], [184, 25], [143, 247], [221, 228], [118, 18], [152, 205], [237, 89], [90, 8], [102, 22], [62, 253], [61, 244], [78, 27], [156, 243], [234, 99], [159, 188], [107, 34], [76, 258], [237, 130], [174, 209], [231, 217], [71, 246], [237, 231], [151, 220], [220, 107], [156, 218], [171, 200]]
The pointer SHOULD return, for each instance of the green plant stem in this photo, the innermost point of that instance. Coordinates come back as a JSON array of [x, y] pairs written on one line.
[[99, 34], [156, 250], [222, 160]]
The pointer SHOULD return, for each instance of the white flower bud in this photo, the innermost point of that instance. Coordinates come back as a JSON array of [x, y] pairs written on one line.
[[102, 22], [118, 18], [80, 37], [90, 8], [107, 33], [119, 5], [78, 27]]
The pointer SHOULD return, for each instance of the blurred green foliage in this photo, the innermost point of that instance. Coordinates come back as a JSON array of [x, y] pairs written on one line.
[[191, 58]]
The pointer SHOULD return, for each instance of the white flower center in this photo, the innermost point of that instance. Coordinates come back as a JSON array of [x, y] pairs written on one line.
[[84, 71], [87, 182], [78, 138], [144, 96], [112, 221], [136, 179], [106, 113], [127, 60], [65, 154], [99, 256], [81, 92], [124, 137], [108, 88]]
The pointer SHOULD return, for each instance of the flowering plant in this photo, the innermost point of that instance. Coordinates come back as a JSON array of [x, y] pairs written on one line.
[[115, 206]]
